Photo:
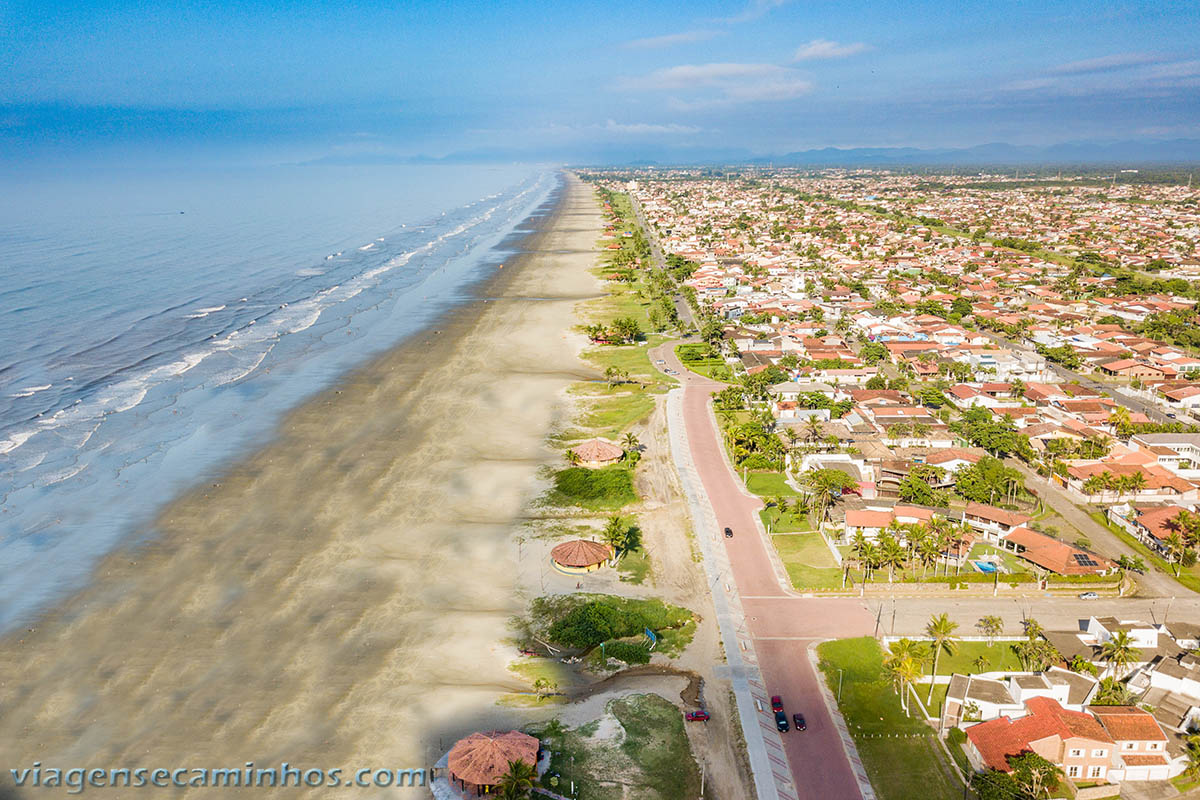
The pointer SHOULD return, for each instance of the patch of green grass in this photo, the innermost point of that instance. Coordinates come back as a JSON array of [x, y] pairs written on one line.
[[1009, 560], [611, 414], [634, 359], [910, 765], [634, 567], [604, 489], [552, 670], [791, 522], [696, 358], [1184, 783], [655, 741], [808, 562], [934, 706], [769, 484], [1000, 656], [1187, 577]]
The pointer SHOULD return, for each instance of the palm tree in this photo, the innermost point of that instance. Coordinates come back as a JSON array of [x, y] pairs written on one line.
[[1136, 482], [518, 781], [990, 626], [572, 457], [891, 554], [1119, 652], [1174, 543], [631, 441], [905, 671], [941, 629], [981, 663], [812, 429]]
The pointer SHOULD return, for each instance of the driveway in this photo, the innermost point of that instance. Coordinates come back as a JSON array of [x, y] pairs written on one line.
[[1155, 583]]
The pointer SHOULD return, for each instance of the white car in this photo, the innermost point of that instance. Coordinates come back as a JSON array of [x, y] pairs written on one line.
[[1089, 596]]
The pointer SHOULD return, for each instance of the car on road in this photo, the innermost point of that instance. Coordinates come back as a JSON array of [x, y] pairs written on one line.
[[697, 716], [798, 721], [659, 361], [729, 533], [776, 703], [781, 721], [1089, 596]]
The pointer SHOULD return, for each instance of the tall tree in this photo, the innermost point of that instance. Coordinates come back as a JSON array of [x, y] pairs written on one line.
[[941, 629]]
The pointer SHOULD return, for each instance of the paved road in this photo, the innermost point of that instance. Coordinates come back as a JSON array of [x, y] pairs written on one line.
[[681, 306], [781, 623], [1134, 404], [1155, 583]]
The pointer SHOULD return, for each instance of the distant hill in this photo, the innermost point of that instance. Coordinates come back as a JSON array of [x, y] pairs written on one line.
[[1172, 151]]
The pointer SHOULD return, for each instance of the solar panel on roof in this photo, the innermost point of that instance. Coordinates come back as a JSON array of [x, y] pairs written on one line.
[[1084, 560]]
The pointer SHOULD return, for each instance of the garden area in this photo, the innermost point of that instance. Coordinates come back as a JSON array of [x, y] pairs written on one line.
[[638, 748], [901, 754], [704, 359], [808, 562]]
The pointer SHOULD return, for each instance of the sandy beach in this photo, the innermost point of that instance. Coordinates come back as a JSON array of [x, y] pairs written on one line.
[[340, 598]]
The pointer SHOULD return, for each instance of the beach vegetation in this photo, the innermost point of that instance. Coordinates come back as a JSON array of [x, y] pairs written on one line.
[[607, 488], [584, 621], [647, 757]]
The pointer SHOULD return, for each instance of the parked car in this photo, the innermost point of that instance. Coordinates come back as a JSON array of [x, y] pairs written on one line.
[[1089, 596], [781, 721], [729, 533], [798, 721], [697, 716], [776, 703]]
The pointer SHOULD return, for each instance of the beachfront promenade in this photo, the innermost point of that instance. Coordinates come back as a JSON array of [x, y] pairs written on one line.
[[767, 629]]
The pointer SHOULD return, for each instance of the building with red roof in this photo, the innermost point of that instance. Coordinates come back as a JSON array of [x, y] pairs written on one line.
[[1072, 740]]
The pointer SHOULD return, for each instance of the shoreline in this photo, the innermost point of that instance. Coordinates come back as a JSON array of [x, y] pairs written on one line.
[[310, 604]]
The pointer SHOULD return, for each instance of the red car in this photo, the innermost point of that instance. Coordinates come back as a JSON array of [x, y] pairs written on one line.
[[776, 703], [697, 716]]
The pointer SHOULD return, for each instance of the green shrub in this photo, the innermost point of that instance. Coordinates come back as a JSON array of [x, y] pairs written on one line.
[[606, 488], [629, 652]]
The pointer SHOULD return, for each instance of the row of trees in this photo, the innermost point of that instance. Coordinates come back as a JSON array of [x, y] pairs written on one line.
[[623, 330], [909, 545]]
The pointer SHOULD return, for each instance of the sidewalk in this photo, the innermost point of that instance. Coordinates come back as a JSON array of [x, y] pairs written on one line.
[[768, 763]]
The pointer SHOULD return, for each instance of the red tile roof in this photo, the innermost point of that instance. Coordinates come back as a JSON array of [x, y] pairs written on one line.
[[998, 739], [1128, 724]]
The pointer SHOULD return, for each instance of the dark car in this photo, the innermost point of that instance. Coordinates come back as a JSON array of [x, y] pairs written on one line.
[[729, 533], [798, 721], [781, 721], [697, 716], [776, 703]]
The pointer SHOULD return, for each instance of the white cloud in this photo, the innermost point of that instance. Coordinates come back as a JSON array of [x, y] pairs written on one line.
[[669, 40], [648, 129], [1104, 63], [820, 49], [755, 9], [732, 83]]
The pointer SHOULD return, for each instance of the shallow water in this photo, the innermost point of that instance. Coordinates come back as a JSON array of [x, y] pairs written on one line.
[[153, 326]]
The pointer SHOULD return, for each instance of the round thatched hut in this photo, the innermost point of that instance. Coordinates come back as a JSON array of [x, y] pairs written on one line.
[[598, 453], [580, 555], [478, 762]]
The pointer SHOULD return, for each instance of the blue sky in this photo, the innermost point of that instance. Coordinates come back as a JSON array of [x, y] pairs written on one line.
[[576, 80]]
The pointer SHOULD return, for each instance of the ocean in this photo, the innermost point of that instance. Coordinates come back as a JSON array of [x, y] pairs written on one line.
[[154, 326]]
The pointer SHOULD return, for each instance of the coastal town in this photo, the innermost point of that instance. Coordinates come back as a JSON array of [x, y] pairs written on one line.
[[942, 471]]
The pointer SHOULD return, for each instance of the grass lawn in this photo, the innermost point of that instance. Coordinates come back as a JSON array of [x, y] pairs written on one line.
[[1185, 784], [1000, 656], [1188, 577], [639, 749], [634, 567], [769, 484], [790, 522], [1010, 561], [899, 768], [694, 358], [634, 359], [808, 562], [614, 411]]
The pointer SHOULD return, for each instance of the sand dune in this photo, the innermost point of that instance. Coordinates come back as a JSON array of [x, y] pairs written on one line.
[[338, 599]]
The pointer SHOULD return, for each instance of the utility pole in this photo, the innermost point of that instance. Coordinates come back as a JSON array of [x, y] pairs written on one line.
[[839, 686]]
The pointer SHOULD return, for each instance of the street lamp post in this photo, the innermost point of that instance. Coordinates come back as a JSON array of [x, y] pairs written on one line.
[[839, 686]]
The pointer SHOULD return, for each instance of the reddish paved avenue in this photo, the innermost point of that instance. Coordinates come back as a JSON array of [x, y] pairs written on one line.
[[782, 623]]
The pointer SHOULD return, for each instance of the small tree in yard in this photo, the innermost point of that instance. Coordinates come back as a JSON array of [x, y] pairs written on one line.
[[990, 626], [518, 781], [1036, 777]]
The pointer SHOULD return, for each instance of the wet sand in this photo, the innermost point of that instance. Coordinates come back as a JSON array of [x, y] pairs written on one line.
[[340, 598]]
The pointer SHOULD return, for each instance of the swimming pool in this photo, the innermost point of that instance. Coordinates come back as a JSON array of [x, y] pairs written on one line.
[[985, 566]]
